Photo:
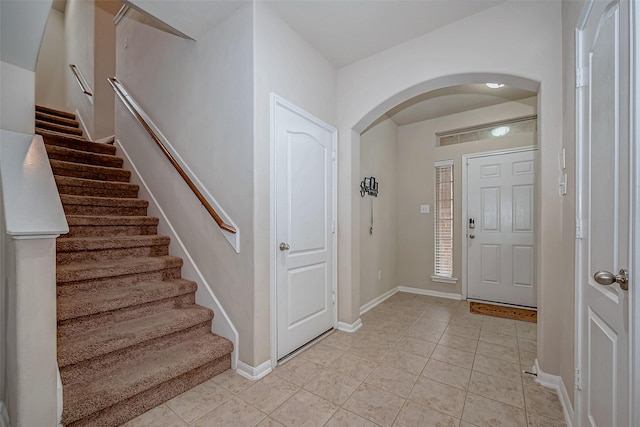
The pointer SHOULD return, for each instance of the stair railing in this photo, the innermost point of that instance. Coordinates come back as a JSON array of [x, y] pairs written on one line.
[[137, 112], [80, 79]]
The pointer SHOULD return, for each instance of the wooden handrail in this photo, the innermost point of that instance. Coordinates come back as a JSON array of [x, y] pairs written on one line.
[[80, 80], [115, 84]]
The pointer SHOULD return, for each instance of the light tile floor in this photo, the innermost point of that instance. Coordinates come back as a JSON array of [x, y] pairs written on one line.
[[416, 361]]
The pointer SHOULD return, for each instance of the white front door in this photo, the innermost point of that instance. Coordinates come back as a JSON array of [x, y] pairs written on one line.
[[604, 212], [500, 228], [304, 235]]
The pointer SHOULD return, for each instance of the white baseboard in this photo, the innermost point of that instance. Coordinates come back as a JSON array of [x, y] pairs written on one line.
[[107, 140], [374, 302], [556, 383], [254, 373], [429, 293], [84, 128], [349, 327]]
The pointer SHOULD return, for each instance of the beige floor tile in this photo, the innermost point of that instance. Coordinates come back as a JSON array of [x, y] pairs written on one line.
[[452, 356], [527, 330], [497, 368], [321, 354], [414, 346], [304, 409], [333, 386], [374, 404], [500, 339], [393, 380], [370, 351], [448, 374], [496, 351], [499, 328], [527, 345], [232, 381], [439, 314], [424, 334], [269, 422], [158, 416], [412, 415], [353, 366], [467, 321], [382, 339], [234, 412], [441, 397], [462, 331], [459, 343], [543, 401], [405, 361], [495, 388], [527, 360], [529, 380], [430, 324], [499, 321], [269, 393], [483, 412], [344, 418], [298, 371], [466, 424], [340, 340], [194, 403], [536, 420]]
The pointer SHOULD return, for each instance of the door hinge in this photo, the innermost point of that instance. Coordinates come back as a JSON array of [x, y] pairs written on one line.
[[578, 384], [582, 76], [333, 155], [333, 297], [579, 230], [333, 227]]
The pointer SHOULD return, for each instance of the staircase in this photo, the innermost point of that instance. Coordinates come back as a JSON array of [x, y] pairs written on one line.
[[130, 335]]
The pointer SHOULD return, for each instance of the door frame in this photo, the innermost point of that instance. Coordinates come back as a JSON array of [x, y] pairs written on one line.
[[634, 206], [275, 101], [464, 216]]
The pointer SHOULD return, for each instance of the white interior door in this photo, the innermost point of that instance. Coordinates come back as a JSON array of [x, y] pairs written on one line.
[[604, 211], [304, 204], [500, 228]]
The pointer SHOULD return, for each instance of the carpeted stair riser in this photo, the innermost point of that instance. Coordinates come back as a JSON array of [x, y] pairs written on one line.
[[44, 117], [135, 249], [81, 304], [89, 369], [77, 156], [54, 112], [80, 325], [84, 205], [112, 226], [89, 172], [81, 144], [108, 338], [89, 187], [114, 270], [58, 128], [120, 413]]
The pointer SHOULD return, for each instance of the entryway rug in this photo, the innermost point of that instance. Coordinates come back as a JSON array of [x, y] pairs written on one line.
[[504, 312]]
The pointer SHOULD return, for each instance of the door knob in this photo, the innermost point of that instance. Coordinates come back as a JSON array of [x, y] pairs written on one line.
[[606, 278], [472, 236], [284, 246]]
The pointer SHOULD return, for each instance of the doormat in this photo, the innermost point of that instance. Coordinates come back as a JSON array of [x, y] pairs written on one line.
[[504, 312]]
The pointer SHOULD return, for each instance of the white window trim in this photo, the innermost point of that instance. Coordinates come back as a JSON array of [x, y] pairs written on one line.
[[442, 279], [436, 277]]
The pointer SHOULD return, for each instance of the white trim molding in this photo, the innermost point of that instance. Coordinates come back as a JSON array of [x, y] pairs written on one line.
[[349, 327], [556, 383], [429, 292], [374, 302], [254, 373], [83, 126]]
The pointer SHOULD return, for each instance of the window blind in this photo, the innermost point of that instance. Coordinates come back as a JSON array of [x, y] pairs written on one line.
[[444, 219]]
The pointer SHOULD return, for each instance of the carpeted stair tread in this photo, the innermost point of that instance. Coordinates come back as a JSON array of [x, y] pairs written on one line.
[[103, 300], [114, 268], [135, 375], [78, 156], [54, 112], [45, 117], [68, 244], [108, 220], [107, 339], [111, 225], [58, 128], [89, 205], [79, 170], [85, 187], [77, 143]]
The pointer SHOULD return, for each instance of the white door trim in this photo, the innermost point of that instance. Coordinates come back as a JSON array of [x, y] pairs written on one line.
[[464, 216], [276, 100]]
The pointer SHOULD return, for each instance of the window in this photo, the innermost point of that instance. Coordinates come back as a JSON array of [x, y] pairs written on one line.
[[444, 223]]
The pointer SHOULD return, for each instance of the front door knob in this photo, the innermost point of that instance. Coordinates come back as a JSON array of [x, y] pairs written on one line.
[[284, 246], [606, 278]]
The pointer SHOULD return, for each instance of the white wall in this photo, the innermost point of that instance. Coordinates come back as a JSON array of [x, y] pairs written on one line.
[[199, 93], [287, 65], [51, 80], [521, 39], [417, 152], [379, 158]]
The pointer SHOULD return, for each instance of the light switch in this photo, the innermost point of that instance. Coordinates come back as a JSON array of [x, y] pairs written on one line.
[[424, 209]]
